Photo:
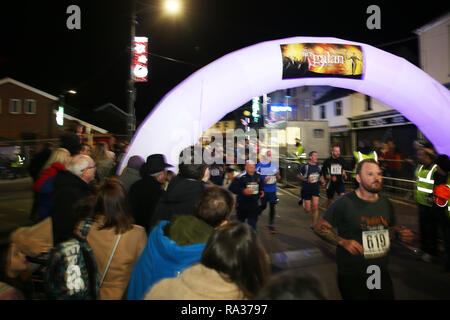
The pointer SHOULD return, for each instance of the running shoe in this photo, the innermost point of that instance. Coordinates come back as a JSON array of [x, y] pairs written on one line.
[[272, 229]]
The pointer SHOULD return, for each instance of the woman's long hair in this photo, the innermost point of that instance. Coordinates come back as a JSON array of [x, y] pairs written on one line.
[[100, 152], [111, 202], [235, 251], [60, 155]]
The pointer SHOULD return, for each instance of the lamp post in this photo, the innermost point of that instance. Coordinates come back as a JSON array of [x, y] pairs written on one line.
[[172, 7], [62, 105], [131, 118]]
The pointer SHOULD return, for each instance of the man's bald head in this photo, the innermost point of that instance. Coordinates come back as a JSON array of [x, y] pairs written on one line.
[[83, 167]]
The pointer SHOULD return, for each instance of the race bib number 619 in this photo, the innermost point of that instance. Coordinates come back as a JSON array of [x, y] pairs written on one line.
[[376, 243]]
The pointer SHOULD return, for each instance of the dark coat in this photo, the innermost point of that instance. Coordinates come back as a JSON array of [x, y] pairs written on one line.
[[38, 162], [247, 206], [180, 198], [71, 142], [68, 189], [144, 195]]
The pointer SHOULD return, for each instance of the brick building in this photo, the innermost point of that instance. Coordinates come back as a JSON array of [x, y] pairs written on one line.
[[26, 113]]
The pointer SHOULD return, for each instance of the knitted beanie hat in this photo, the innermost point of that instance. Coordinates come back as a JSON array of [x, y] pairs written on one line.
[[135, 162]]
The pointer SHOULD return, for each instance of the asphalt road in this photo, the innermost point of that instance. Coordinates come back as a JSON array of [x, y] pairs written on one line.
[[294, 246], [16, 200]]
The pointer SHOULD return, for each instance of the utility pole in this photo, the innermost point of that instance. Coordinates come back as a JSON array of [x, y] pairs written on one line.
[[131, 120]]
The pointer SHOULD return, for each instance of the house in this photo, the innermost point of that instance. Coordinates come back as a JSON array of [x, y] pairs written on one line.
[[299, 100], [26, 113], [110, 117], [434, 48], [353, 116], [29, 116]]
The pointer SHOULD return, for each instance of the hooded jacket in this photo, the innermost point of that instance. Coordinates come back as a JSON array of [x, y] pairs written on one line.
[[180, 198], [34, 240], [164, 257], [195, 283], [68, 190]]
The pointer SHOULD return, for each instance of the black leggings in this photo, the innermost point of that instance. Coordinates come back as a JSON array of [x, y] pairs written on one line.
[[272, 211]]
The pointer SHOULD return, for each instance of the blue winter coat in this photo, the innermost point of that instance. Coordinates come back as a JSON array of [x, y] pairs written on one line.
[[161, 258]]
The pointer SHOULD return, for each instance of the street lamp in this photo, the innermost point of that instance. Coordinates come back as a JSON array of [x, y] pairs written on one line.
[[62, 96], [171, 7], [62, 103]]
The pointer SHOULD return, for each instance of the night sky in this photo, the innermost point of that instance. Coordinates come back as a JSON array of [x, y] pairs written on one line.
[[37, 48]]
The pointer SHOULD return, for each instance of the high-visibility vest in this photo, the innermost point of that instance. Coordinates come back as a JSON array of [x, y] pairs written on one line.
[[300, 154], [425, 184], [361, 156], [18, 162]]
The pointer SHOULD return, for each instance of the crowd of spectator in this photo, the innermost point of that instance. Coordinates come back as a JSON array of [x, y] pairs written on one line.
[[154, 234]]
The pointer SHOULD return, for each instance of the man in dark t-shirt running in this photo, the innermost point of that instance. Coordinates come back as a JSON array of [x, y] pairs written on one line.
[[333, 171], [365, 221], [311, 178]]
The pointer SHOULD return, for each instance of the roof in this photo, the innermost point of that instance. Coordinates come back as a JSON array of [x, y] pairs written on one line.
[[110, 105], [433, 24], [25, 86], [84, 123], [334, 94]]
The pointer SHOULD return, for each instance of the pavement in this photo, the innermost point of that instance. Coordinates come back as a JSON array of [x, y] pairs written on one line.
[[16, 200], [294, 246]]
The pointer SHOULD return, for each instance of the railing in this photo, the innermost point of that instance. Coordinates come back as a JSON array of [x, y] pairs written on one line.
[[26, 149], [394, 187]]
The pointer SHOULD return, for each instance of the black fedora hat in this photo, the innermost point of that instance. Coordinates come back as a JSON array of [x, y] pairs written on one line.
[[156, 163]]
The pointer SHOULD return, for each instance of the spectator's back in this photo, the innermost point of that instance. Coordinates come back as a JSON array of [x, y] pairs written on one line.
[[70, 186]]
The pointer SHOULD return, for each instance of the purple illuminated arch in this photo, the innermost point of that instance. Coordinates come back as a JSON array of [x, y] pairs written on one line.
[[206, 96]]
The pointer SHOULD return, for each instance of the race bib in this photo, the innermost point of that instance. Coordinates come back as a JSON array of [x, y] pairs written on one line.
[[272, 179], [254, 187], [314, 177], [375, 243], [215, 172], [336, 169]]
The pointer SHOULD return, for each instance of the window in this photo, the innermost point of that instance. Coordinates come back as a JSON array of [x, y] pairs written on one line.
[[368, 103], [14, 106], [338, 108], [323, 114], [30, 106]]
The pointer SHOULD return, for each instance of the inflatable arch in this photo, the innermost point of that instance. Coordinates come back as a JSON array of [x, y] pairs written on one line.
[[207, 95]]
